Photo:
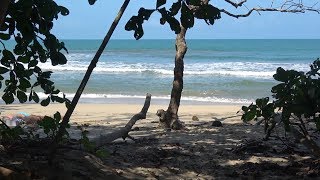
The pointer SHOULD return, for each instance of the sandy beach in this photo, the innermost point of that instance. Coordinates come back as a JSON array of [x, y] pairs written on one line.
[[105, 112], [201, 151]]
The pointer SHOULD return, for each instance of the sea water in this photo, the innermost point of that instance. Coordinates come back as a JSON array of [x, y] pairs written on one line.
[[216, 71]]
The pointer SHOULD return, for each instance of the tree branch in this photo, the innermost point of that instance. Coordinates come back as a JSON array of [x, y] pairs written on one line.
[[123, 132], [296, 10]]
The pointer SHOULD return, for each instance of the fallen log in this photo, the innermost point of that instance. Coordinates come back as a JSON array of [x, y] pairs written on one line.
[[123, 132]]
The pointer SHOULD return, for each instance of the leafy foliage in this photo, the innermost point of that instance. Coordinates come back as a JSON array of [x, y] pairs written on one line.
[[189, 10], [296, 99], [88, 145], [50, 125], [29, 23], [9, 135]]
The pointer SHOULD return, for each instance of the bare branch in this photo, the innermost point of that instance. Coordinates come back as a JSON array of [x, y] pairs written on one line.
[[236, 5], [292, 8]]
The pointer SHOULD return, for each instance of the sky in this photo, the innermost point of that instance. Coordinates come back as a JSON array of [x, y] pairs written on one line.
[[92, 22]]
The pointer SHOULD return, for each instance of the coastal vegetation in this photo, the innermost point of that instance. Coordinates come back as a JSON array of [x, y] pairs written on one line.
[[29, 24]]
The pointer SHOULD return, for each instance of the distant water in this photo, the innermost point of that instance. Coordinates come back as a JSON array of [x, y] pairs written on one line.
[[216, 71]]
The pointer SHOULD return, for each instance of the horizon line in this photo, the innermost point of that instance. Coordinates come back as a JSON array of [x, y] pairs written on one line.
[[200, 39]]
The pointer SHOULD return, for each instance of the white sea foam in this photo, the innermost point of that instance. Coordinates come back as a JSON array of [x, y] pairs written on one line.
[[79, 62], [183, 98]]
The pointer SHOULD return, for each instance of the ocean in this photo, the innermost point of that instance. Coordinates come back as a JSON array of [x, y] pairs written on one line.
[[216, 71]]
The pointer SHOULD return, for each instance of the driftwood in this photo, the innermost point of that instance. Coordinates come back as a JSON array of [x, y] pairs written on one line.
[[123, 132]]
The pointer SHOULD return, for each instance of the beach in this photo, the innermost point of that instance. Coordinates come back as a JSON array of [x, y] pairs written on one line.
[[200, 151], [101, 113], [220, 76]]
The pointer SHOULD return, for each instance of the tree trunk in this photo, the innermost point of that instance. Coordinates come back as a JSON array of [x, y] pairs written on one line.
[[4, 4], [169, 118], [86, 77]]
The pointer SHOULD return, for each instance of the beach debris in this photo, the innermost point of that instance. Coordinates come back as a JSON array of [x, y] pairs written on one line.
[[195, 118], [216, 124], [123, 132], [13, 120]]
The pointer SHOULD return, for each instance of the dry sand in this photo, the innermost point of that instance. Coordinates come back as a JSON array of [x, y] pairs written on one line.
[[202, 151]]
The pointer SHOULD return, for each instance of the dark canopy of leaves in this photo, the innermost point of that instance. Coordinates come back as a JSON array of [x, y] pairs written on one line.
[[189, 10], [29, 23]]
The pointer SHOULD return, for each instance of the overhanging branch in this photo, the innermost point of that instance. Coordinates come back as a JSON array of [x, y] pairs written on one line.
[[270, 10], [288, 6]]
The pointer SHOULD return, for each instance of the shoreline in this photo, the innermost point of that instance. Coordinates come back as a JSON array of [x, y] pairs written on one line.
[[136, 100], [99, 113]]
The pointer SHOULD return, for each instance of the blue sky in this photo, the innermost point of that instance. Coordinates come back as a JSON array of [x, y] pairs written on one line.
[[92, 22]]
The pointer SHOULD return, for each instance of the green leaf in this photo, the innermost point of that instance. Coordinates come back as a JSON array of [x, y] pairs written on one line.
[[91, 2], [175, 8], [57, 116], [245, 108], [262, 102], [59, 99], [46, 74], [35, 97], [174, 25], [281, 75], [64, 11], [58, 58], [24, 83], [4, 27], [145, 13], [67, 103], [248, 116], [24, 59], [160, 3], [32, 63], [3, 70], [187, 18], [8, 98], [8, 55], [4, 36], [45, 102], [22, 97]]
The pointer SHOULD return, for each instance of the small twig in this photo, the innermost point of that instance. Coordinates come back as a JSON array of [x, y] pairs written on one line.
[[3, 44], [4, 124]]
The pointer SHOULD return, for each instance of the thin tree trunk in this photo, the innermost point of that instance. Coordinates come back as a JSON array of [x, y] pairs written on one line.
[[169, 118], [86, 77], [4, 4]]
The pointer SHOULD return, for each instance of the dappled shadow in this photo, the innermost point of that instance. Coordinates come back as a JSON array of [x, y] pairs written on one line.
[[203, 151]]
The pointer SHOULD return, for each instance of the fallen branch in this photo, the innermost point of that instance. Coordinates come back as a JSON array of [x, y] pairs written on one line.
[[123, 132]]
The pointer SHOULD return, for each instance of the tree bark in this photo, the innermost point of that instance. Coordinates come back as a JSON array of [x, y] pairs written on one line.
[[169, 118], [123, 132], [4, 4], [86, 78], [89, 71]]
